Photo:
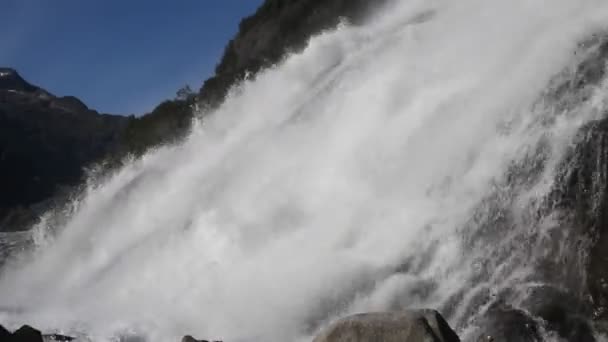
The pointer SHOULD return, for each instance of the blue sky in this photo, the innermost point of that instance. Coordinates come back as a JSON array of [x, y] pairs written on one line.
[[118, 56]]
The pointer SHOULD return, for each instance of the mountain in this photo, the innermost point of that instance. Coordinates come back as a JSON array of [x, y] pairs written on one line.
[[45, 141], [11, 80]]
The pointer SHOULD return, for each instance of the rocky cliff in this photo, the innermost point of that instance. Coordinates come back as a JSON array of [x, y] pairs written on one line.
[[278, 27]]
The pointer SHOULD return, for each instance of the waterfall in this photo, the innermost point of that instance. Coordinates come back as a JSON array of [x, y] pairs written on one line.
[[399, 163]]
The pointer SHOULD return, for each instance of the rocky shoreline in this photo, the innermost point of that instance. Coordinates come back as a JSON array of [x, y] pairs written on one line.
[[28, 334], [399, 326], [501, 323]]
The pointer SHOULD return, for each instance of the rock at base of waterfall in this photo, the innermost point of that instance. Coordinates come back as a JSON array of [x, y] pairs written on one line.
[[402, 326], [189, 338], [564, 313], [26, 334], [502, 323], [57, 338], [5, 335]]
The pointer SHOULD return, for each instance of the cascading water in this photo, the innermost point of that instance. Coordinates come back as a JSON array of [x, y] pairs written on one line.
[[369, 172]]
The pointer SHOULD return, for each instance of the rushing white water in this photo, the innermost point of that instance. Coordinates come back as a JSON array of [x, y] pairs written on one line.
[[299, 198]]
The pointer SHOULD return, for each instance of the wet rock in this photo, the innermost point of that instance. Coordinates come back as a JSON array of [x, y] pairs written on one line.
[[563, 313], [570, 327], [4, 334], [404, 326], [502, 323], [58, 338], [189, 338], [582, 196], [27, 334]]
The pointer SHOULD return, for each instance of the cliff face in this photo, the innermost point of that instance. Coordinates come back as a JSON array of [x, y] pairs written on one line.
[[580, 199], [45, 141], [570, 259], [278, 27]]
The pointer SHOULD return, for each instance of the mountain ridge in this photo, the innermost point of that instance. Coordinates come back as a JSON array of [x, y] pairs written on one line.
[[45, 142]]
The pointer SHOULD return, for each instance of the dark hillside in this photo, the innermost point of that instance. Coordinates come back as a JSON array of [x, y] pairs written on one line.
[[45, 141]]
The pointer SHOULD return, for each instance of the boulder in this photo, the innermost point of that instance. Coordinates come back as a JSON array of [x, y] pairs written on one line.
[[402, 326], [189, 338], [58, 338], [5, 335], [502, 323], [562, 312], [27, 334]]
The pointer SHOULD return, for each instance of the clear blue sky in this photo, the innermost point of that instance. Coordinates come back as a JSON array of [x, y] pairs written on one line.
[[118, 56]]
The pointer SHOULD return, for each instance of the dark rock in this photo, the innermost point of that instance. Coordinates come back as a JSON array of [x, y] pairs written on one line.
[[562, 312], [570, 257], [502, 323], [27, 334], [5, 335], [189, 338], [581, 195], [70, 103], [11, 80], [404, 326], [59, 338]]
